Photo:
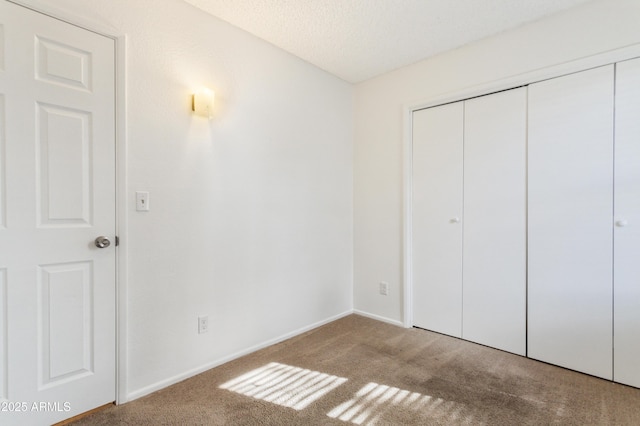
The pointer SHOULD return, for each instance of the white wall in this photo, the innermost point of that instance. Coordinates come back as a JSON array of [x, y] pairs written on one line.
[[596, 27], [251, 213]]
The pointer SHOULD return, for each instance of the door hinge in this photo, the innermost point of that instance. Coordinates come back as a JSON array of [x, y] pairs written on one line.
[[117, 241]]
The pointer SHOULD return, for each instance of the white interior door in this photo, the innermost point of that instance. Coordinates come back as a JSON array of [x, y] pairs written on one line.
[[437, 216], [627, 225], [57, 194], [570, 207], [494, 247]]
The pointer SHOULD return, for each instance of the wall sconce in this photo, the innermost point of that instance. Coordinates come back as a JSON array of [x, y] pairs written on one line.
[[202, 103]]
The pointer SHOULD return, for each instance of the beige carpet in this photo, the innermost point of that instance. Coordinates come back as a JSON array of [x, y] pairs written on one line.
[[360, 371]]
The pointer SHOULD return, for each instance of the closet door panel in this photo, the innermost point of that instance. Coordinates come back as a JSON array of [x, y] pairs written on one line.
[[494, 247], [627, 225], [437, 212], [570, 205]]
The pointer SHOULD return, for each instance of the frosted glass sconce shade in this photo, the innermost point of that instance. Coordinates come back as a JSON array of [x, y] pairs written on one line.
[[202, 103]]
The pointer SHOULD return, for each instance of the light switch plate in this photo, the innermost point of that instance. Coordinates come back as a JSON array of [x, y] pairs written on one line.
[[142, 201]]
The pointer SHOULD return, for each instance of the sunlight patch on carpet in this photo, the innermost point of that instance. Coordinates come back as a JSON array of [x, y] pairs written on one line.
[[373, 400], [285, 385]]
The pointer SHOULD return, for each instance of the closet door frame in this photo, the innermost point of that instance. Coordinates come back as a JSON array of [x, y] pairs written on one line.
[[507, 83]]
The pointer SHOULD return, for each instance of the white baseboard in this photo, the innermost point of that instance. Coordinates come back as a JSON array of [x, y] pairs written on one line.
[[190, 373], [379, 318]]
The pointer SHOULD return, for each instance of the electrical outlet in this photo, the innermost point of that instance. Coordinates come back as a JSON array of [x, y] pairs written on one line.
[[203, 324], [384, 288]]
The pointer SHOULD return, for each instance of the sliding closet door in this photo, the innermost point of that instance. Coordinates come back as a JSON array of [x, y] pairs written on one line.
[[494, 248], [626, 367], [437, 214], [570, 221]]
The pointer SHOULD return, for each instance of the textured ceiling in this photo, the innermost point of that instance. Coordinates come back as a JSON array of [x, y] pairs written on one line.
[[359, 39]]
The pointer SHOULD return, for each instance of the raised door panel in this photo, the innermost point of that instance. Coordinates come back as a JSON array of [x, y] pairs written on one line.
[[64, 167], [570, 205], [63, 64], [494, 248], [627, 225], [65, 312], [437, 213]]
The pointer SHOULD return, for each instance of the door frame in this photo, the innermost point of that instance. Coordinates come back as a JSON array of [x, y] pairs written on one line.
[[121, 203], [509, 82]]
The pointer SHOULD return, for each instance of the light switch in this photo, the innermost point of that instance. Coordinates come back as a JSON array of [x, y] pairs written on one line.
[[142, 201]]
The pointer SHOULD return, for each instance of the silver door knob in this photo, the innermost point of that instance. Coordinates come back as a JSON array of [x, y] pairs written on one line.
[[455, 220], [621, 223], [102, 242]]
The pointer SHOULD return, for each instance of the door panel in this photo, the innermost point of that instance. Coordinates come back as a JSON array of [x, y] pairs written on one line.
[[65, 311], [57, 88], [437, 214], [494, 248], [570, 215], [627, 225], [63, 64], [63, 167]]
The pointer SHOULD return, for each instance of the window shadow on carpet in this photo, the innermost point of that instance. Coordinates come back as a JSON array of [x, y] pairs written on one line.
[[285, 385], [373, 400], [295, 387]]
